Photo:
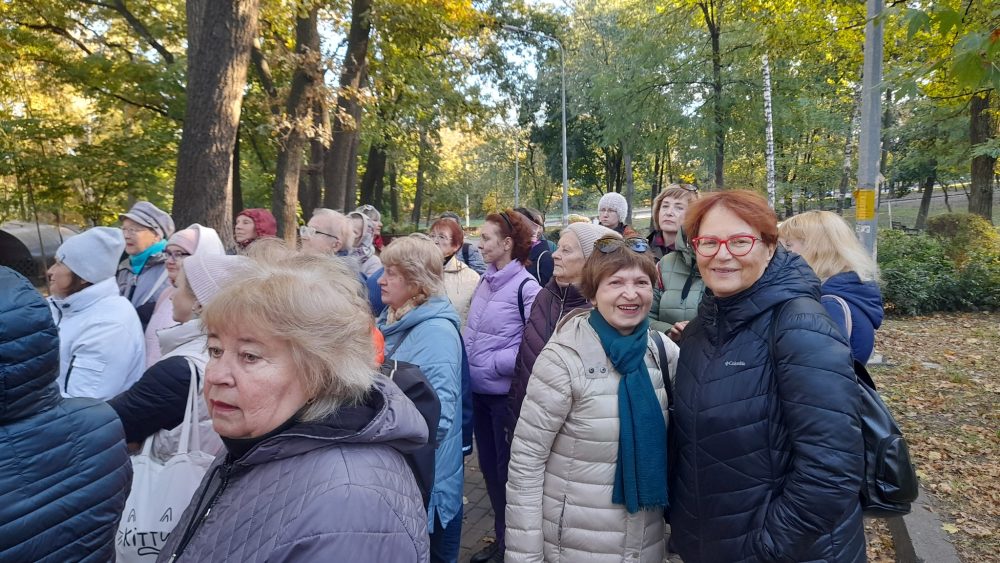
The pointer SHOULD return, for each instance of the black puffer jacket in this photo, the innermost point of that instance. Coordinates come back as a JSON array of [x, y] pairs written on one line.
[[551, 304], [64, 470], [768, 450]]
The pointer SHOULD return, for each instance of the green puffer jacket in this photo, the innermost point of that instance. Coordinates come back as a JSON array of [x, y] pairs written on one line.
[[679, 289]]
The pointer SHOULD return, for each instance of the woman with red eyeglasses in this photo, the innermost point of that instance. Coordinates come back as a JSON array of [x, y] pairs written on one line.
[[766, 429]]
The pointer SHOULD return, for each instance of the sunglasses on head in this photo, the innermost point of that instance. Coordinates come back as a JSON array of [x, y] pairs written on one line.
[[610, 244], [689, 188]]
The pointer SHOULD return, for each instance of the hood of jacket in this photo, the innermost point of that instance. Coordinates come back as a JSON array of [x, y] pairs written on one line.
[[385, 416], [29, 350], [438, 306], [786, 277], [84, 299], [454, 264], [866, 296]]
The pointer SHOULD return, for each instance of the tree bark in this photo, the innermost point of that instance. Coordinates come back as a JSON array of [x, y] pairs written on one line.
[[297, 119], [217, 72], [712, 11], [351, 191], [772, 191], [312, 194], [374, 173], [237, 183], [629, 185], [347, 120], [925, 200], [981, 130]]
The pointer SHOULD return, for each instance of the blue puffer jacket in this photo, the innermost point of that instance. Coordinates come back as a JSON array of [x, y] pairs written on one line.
[[64, 469], [864, 299], [427, 336], [768, 449]]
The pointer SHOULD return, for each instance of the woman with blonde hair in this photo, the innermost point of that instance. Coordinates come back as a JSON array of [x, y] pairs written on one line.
[[679, 285], [669, 208], [313, 466], [849, 275], [421, 327]]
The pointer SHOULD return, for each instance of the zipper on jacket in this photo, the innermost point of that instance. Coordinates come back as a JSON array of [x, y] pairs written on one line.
[[197, 521], [68, 372]]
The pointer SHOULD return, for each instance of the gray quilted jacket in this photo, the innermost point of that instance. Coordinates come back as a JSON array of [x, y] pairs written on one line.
[[337, 489]]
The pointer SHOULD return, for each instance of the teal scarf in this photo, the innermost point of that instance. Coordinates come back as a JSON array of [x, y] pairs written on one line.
[[138, 262], [641, 475]]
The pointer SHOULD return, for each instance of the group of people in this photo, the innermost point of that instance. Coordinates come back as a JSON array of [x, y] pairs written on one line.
[[691, 392]]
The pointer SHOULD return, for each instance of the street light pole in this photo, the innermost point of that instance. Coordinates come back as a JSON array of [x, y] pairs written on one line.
[[562, 66]]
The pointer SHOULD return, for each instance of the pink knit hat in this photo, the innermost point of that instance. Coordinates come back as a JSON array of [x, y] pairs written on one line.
[[187, 239], [208, 274]]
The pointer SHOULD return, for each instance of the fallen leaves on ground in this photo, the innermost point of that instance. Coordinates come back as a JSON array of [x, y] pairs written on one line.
[[942, 385]]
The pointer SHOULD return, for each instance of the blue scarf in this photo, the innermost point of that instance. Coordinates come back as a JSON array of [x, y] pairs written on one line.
[[641, 474], [138, 262]]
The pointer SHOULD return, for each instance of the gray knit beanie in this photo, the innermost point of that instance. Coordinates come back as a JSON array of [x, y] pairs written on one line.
[[207, 274], [93, 254], [615, 201], [588, 234]]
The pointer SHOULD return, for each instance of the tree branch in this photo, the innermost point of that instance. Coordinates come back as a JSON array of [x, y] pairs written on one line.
[[62, 32], [119, 7]]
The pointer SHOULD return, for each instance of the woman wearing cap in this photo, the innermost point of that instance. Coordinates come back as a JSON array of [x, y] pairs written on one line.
[[679, 286], [376, 216], [143, 274], [421, 327], [65, 472], [363, 249], [460, 280], [155, 404], [313, 467], [252, 224], [612, 211], [101, 351], [588, 462], [557, 299], [195, 239], [500, 306], [766, 425]]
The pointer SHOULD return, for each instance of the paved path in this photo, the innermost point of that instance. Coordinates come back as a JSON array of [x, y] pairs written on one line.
[[477, 524]]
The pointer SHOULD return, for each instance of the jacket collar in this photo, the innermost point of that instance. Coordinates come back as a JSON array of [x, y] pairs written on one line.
[[454, 265], [86, 297], [499, 278], [437, 306], [570, 295], [173, 337]]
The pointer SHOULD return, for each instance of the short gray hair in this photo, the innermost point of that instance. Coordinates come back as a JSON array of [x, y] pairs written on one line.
[[346, 232], [419, 261], [315, 304]]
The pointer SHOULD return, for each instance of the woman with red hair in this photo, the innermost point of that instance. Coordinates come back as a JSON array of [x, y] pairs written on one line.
[[252, 224]]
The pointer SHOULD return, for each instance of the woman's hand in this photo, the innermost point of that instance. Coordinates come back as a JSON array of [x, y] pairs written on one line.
[[676, 330]]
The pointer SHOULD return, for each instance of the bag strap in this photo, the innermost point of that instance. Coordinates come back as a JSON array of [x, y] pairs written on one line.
[[159, 282], [538, 266], [465, 252], [392, 352], [190, 432], [848, 321], [668, 383], [520, 300]]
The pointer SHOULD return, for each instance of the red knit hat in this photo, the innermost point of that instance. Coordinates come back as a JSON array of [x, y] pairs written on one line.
[[263, 222]]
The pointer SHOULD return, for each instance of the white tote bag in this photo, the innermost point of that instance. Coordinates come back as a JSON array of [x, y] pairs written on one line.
[[161, 491]]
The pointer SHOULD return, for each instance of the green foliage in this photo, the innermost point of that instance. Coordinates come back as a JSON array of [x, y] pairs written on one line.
[[957, 268]]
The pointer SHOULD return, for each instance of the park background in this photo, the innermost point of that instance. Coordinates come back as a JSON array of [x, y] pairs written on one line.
[[421, 106]]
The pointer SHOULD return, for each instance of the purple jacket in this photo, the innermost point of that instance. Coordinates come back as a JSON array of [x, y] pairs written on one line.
[[493, 329], [335, 489], [551, 305]]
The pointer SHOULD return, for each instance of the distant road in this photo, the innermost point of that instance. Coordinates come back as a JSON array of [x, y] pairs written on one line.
[[554, 219]]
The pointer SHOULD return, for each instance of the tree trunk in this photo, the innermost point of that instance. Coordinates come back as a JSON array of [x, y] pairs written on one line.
[[345, 123], [374, 173], [629, 185], [418, 197], [195, 12], [237, 182], [769, 135], [217, 72], [712, 10], [657, 175], [944, 191], [297, 120], [351, 194], [393, 193], [925, 200], [981, 130]]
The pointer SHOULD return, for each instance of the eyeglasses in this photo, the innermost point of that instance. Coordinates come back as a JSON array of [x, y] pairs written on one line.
[[608, 245], [176, 255], [739, 245], [134, 230], [436, 237], [305, 231]]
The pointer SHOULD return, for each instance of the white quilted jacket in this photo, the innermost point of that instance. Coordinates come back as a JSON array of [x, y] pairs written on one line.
[[564, 454]]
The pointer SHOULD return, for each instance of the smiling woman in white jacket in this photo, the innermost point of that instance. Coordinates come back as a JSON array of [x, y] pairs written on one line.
[[101, 351]]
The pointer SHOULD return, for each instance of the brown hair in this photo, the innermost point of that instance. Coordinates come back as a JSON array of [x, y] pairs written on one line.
[[601, 265], [515, 226], [675, 191], [453, 228], [749, 206], [418, 260]]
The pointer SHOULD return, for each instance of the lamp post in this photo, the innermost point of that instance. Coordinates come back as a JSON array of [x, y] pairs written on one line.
[[562, 64]]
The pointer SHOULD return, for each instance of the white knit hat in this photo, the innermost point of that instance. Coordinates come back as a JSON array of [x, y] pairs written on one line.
[[93, 254], [615, 201], [588, 234], [207, 274]]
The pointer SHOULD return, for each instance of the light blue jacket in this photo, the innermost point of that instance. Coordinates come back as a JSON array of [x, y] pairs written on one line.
[[428, 337]]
